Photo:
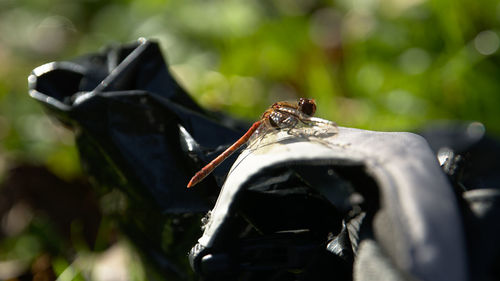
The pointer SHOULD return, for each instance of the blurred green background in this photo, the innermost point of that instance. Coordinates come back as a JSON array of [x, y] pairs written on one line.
[[374, 64]]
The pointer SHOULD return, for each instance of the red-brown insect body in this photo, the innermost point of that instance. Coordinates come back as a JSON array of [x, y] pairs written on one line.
[[205, 171], [279, 115]]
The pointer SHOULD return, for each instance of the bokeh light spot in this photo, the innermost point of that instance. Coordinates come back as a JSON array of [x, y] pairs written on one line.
[[325, 28], [370, 78], [405, 103], [476, 130], [414, 61], [51, 35], [487, 42]]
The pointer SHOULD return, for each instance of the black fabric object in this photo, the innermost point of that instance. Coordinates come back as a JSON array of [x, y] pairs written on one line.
[[359, 205], [138, 132], [125, 102], [471, 159]]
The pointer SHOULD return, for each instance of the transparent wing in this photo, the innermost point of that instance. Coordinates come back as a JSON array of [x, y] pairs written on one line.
[[314, 126], [260, 134]]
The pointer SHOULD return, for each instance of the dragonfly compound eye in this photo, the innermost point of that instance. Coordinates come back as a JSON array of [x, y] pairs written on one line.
[[307, 106]]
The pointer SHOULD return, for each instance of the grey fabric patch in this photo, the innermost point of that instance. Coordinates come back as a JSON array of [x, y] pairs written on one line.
[[372, 264], [418, 201]]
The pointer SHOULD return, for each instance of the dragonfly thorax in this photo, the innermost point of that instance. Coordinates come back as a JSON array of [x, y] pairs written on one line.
[[278, 119]]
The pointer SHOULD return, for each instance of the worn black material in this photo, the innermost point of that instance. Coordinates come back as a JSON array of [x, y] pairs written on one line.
[[284, 228], [132, 119], [138, 132]]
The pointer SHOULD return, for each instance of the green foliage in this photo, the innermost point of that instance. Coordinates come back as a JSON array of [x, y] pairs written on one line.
[[379, 65], [382, 65]]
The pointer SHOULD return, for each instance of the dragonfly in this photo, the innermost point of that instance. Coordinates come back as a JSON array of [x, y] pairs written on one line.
[[280, 115]]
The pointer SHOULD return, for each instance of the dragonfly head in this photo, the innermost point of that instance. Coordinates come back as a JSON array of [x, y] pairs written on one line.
[[307, 106]]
